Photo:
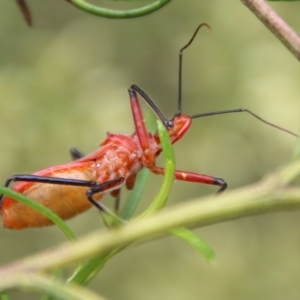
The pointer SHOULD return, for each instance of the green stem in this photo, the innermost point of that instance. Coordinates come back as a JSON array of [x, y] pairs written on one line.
[[265, 197], [118, 14], [50, 286], [168, 152], [136, 195]]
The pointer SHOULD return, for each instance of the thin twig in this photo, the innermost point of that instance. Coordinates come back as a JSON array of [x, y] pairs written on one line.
[[276, 25]]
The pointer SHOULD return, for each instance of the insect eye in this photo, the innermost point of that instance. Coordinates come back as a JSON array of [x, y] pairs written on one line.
[[169, 123]]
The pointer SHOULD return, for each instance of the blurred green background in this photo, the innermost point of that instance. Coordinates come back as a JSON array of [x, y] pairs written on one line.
[[64, 83]]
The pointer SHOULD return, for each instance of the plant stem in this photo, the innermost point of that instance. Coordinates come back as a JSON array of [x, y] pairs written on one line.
[[118, 14], [270, 195], [275, 24]]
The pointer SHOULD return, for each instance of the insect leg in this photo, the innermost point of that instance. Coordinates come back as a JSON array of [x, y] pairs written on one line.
[[107, 186], [48, 179], [76, 154], [195, 177], [116, 194], [94, 187], [139, 121], [45, 179]]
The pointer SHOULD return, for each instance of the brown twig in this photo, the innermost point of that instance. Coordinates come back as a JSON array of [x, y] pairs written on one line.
[[276, 25]]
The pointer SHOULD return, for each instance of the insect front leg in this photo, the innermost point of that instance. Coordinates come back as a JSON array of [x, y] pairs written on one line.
[[139, 121], [194, 177]]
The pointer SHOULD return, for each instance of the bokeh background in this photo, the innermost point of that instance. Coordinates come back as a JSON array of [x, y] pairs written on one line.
[[64, 83]]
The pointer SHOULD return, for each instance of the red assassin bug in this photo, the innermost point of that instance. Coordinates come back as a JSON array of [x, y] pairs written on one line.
[[74, 187]]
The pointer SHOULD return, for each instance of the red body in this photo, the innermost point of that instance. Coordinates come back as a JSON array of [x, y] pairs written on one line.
[[118, 156], [74, 187], [118, 160]]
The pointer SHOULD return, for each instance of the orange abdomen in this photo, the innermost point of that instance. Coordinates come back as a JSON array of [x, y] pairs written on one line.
[[64, 200]]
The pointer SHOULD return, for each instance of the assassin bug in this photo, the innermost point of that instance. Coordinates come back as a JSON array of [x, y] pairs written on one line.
[[74, 187]]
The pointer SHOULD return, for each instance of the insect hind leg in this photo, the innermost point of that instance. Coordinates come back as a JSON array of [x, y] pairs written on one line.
[[46, 179]]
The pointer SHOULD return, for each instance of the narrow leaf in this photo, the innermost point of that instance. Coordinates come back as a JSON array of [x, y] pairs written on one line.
[[196, 242], [42, 209]]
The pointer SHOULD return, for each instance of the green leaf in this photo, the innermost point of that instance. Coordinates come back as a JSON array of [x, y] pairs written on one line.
[[136, 195], [4, 296], [196, 242], [42, 209], [168, 153]]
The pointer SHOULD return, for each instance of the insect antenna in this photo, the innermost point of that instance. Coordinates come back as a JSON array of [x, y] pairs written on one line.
[[238, 110], [215, 112], [180, 66]]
